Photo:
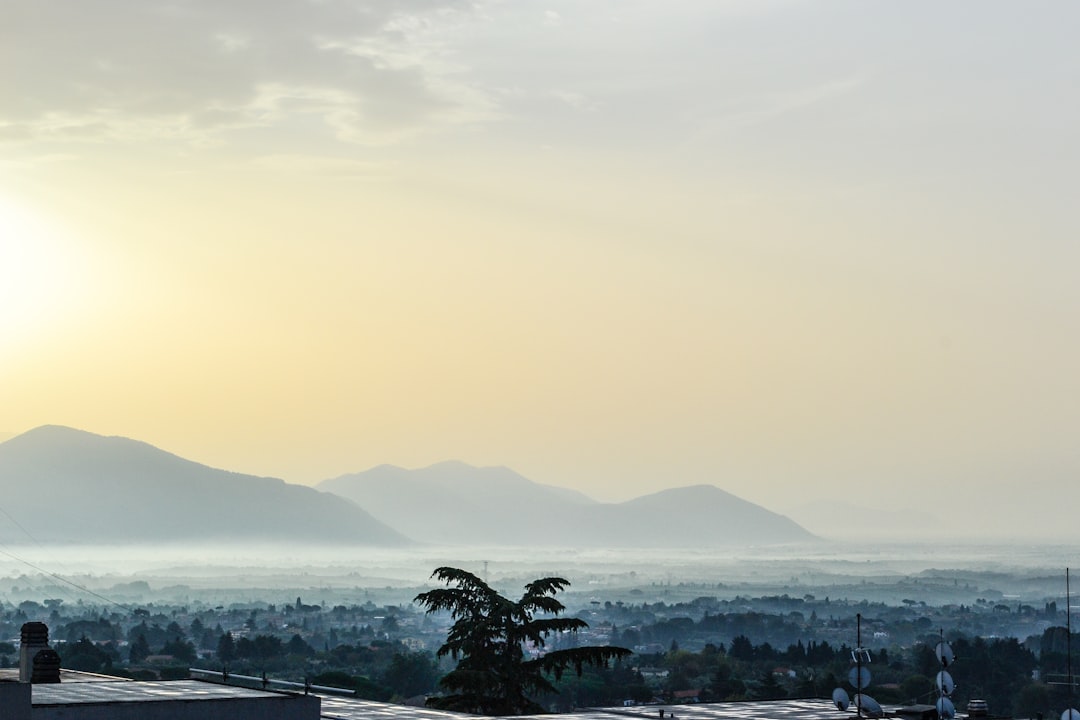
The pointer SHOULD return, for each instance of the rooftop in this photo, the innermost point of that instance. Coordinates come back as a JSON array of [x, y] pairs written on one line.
[[88, 690], [339, 708], [125, 691]]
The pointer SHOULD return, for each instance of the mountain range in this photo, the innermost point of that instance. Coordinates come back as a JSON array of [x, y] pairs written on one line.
[[63, 485], [58, 484], [455, 503]]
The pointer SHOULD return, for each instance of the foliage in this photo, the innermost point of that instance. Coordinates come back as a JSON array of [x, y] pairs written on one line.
[[411, 673], [362, 686], [139, 650], [298, 646], [262, 647], [724, 686], [601, 687], [918, 689], [1033, 700], [179, 649], [175, 673], [100, 629], [489, 637], [226, 649], [86, 656], [994, 670], [768, 688], [155, 635]]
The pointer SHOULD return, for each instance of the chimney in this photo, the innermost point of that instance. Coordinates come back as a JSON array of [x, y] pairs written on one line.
[[46, 667], [35, 638]]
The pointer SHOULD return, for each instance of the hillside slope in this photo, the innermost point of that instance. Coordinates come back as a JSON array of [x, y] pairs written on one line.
[[63, 485], [454, 503]]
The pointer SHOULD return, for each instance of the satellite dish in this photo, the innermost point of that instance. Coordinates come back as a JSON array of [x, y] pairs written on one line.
[[859, 678], [946, 685], [944, 654], [842, 701], [946, 710], [1071, 714], [869, 706]]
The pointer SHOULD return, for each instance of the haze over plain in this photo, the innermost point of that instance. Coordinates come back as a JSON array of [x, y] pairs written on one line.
[[802, 252]]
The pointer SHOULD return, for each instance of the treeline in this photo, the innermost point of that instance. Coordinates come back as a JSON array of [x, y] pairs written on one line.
[[998, 670], [687, 631], [382, 670], [735, 655]]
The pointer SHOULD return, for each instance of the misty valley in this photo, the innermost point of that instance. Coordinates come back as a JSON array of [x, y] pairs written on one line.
[[631, 360], [145, 565], [751, 623]]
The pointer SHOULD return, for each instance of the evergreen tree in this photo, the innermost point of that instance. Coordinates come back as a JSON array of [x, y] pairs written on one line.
[[180, 649], [86, 656], [139, 650], [488, 638], [297, 646], [226, 649], [769, 688]]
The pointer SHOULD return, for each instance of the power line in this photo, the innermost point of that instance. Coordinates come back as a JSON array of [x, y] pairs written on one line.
[[64, 580], [49, 573]]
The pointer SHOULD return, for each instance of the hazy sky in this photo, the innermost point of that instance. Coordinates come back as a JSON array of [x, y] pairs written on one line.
[[798, 250]]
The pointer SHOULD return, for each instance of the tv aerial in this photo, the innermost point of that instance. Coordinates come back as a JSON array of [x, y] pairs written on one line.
[[1068, 679], [840, 699], [859, 678], [946, 709], [1072, 713], [944, 682], [868, 706], [944, 654]]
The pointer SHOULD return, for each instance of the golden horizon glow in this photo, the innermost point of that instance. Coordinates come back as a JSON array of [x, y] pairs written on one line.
[[40, 277], [794, 251]]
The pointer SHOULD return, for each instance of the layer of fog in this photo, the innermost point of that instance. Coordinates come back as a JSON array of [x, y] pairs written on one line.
[[877, 572]]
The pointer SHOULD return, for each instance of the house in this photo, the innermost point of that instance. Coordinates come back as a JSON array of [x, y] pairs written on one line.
[[687, 696]]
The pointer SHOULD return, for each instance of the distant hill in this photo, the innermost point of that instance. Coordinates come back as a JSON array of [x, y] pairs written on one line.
[[698, 515], [454, 503], [65, 485]]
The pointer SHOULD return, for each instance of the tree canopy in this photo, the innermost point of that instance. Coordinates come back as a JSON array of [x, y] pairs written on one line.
[[489, 639]]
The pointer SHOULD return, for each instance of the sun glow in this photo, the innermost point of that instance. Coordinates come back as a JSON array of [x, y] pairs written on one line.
[[38, 271]]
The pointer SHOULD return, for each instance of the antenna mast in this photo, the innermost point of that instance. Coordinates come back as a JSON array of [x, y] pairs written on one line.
[[858, 664], [1071, 713], [941, 681], [1068, 638], [859, 677], [945, 707]]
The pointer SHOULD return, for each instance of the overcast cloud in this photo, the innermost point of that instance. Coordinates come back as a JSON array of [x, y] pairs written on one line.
[[194, 71]]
